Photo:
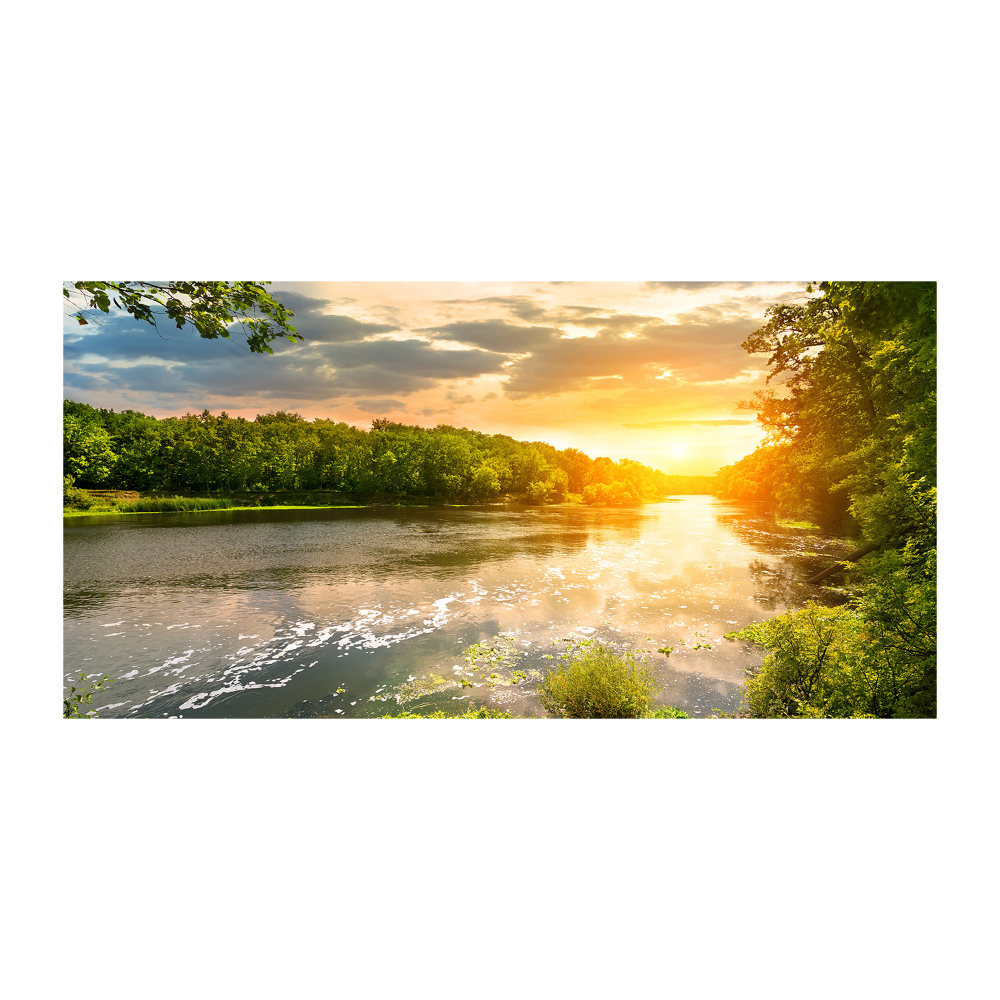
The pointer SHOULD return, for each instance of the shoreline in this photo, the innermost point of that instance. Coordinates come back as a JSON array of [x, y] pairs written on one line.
[[506, 503]]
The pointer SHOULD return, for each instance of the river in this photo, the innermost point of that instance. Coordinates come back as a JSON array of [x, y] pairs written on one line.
[[356, 612]]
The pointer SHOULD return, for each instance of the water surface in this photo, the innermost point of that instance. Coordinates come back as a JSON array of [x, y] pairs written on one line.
[[352, 612]]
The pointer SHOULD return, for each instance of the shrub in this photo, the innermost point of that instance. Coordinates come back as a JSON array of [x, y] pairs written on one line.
[[174, 503], [75, 498], [872, 661], [594, 682]]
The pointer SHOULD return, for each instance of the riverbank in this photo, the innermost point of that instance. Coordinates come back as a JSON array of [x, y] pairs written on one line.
[[106, 502]]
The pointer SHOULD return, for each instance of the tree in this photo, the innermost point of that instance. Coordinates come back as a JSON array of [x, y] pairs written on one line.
[[212, 306], [87, 450], [856, 410], [853, 446]]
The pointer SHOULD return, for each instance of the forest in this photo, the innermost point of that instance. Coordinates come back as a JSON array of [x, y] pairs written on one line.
[[850, 415], [282, 452]]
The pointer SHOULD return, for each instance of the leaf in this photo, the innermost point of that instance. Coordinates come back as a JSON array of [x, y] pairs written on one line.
[[81, 321]]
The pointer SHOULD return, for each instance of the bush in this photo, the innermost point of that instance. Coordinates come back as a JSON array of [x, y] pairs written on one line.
[[174, 503], [872, 661], [593, 682], [75, 498], [668, 712]]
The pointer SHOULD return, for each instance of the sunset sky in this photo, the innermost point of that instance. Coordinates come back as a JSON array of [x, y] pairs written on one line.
[[645, 370]]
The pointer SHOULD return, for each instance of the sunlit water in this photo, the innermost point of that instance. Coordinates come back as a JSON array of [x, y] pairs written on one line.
[[348, 613]]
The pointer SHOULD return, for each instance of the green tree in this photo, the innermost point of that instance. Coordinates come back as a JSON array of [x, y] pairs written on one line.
[[852, 446], [211, 306], [87, 452], [855, 411]]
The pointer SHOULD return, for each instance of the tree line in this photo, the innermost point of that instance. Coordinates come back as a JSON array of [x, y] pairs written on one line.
[[282, 451], [850, 413]]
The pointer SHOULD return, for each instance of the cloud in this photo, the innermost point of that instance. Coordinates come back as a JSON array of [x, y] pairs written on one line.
[[495, 335], [690, 286], [75, 380], [522, 306], [315, 325], [687, 423], [379, 405], [617, 322], [185, 364], [692, 351], [415, 357]]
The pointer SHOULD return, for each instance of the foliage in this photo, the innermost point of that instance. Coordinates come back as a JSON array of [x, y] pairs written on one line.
[[83, 695], [87, 451], [852, 428], [852, 447], [472, 713], [75, 498], [210, 306], [174, 503], [668, 712], [283, 452], [594, 682], [874, 660]]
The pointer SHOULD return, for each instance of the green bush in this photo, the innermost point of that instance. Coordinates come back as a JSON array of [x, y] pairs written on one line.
[[174, 503], [75, 498], [593, 682], [875, 660]]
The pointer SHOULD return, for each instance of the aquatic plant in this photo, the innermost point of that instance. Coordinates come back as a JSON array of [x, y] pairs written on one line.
[[418, 687], [83, 695], [482, 712]]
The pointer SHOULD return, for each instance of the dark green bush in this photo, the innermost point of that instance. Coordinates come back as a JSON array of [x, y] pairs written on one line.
[[594, 682]]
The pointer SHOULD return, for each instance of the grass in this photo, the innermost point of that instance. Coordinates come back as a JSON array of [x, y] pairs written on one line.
[[151, 506], [472, 713], [162, 510]]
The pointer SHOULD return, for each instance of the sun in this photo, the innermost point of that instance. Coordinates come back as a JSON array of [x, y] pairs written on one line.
[[678, 450]]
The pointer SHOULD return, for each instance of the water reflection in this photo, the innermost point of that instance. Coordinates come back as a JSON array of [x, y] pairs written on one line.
[[265, 613]]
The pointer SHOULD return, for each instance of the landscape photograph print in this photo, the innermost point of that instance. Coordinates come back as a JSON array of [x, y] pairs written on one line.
[[499, 499]]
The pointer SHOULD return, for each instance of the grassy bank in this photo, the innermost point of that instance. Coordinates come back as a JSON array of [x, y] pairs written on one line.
[[80, 502]]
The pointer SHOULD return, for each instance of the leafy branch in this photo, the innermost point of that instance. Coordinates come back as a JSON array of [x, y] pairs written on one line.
[[212, 307]]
